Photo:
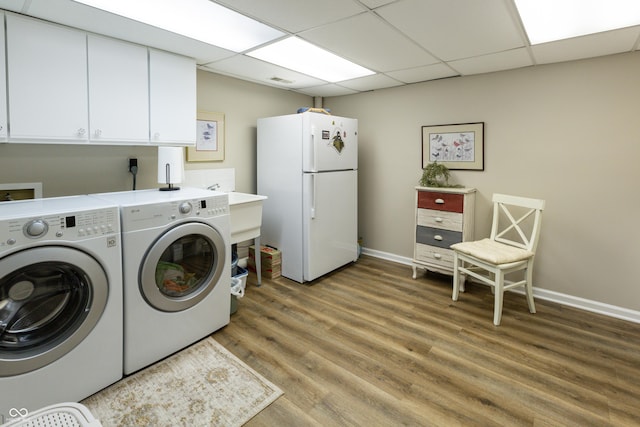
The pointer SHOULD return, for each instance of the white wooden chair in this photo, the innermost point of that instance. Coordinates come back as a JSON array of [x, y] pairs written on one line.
[[511, 247]]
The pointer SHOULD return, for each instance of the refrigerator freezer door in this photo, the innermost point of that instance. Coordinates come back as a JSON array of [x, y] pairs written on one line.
[[330, 221], [329, 143]]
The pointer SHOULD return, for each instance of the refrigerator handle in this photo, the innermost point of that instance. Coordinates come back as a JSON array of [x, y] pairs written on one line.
[[314, 152], [313, 196]]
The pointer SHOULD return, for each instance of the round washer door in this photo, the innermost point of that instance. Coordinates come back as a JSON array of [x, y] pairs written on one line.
[[51, 298], [182, 266]]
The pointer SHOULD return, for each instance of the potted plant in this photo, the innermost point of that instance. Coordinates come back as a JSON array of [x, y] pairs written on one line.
[[436, 175]]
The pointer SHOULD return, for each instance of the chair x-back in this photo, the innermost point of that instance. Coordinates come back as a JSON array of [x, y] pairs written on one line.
[[511, 247]]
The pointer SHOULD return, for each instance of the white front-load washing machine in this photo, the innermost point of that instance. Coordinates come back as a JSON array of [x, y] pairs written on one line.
[[176, 269], [60, 301]]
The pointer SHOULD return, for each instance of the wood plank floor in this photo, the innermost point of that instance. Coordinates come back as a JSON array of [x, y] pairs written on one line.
[[369, 346]]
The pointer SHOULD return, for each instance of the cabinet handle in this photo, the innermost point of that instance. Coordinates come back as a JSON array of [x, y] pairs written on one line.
[[437, 256], [156, 136], [438, 237], [439, 201], [81, 132], [97, 133], [438, 219]]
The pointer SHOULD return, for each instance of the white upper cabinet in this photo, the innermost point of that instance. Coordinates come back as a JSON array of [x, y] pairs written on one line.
[[3, 87], [47, 81], [172, 95], [118, 92], [68, 87]]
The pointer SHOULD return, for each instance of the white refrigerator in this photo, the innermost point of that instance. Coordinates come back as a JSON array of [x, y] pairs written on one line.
[[307, 166]]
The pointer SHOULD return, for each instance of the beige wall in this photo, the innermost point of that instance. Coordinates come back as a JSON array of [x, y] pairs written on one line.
[[66, 170], [79, 169], [567, 133]]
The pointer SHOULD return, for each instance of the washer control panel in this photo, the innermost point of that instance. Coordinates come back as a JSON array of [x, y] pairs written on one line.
[[68, 227], [160, 214]]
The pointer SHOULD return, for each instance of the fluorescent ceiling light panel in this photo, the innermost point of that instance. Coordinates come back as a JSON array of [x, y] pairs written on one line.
[[550, 20], [301, 56], [197, 19]]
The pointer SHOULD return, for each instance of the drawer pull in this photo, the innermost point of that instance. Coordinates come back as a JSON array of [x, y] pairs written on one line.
[[439, 201], [437, 256], [438, 219], [438, 237]]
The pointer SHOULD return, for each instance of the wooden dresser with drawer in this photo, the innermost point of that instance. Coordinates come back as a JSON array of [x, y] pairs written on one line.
[[444, 216]]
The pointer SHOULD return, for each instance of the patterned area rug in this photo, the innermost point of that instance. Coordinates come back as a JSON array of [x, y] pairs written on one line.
[[203, 385]]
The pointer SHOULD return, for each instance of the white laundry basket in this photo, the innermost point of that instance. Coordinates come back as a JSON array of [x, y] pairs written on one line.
[[67, 414]]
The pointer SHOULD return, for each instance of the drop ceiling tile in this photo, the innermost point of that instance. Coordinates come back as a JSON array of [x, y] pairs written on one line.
[[377, 81], [295, 15], [97, 21], [12, 5], [600, 44], [327, 90], [370, 42], [515, 58], [421, 74], [244, 67], [458, 29]]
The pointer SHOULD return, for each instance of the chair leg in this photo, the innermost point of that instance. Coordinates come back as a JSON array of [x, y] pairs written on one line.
[[498, 298], [456, 277], [528, 288]]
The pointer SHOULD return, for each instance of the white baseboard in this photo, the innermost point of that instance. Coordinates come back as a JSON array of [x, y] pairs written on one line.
[[387, 256], [545, 294]]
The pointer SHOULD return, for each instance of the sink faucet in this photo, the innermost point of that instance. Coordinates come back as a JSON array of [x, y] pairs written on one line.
[[213, 187]]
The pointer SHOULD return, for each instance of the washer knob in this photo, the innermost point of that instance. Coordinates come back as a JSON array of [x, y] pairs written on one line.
[[185, 207], [36, 228]]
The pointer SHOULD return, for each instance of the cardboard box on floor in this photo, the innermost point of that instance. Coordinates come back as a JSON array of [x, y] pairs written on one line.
[[271, 261]]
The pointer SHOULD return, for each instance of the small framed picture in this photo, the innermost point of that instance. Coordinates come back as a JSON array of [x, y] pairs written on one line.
[[209, 138]]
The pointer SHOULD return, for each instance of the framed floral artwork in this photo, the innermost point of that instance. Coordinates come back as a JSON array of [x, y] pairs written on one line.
[[457, 146]]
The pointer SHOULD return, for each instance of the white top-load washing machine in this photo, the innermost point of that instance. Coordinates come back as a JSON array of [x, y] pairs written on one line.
[[60, 301], [176, 268]]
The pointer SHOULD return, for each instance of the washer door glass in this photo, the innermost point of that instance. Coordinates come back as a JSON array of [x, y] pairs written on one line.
[[182, 267], [50, 300]]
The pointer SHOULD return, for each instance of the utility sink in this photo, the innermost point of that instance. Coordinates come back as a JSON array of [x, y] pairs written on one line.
[[245, 214]]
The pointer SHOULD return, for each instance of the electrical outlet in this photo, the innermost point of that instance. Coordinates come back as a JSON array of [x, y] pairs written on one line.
[[133, 163]]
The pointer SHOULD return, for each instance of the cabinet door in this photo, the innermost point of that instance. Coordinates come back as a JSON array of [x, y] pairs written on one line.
[[118, 92], [47, 81], [3, 87], [172, 98]]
